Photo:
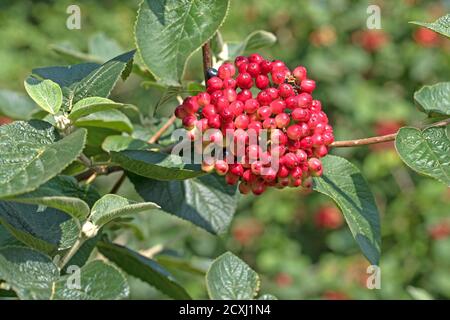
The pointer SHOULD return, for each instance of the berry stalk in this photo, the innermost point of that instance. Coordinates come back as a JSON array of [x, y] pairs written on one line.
[[378, 139]]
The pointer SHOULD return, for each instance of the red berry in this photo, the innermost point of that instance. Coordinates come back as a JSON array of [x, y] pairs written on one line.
[[241, 121], [282, 120], [264, 112], [300, 114], [229, 83], [240, 60], [308, 85], [244, 95], [237, 107], [213, 84], [315, 167], [269, 123], [278, 76], [237, 169], [203, 99], [189, 121], [251, 105], [221, 167], [272, 92], [262, 81], [253, 69], [214, 121], [209, 110], [264, 98], [277, 106], [300, 73], [180, 113], [244, 188], [304, 100], [294, 132], [226, 71], [231, 179], [191, 105], [256, 58], [266, 66], [285, 90], [244, 81]]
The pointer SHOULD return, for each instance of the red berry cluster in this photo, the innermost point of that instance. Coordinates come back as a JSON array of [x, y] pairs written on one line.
[[281, 103]]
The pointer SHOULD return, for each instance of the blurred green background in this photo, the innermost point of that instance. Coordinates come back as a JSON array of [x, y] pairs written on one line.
[[366, 78]]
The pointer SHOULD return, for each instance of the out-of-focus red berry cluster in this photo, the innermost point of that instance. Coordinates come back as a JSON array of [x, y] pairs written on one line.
[[256, 95]]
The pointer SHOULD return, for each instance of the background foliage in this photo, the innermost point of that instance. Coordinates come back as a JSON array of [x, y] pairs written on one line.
[[296, 242]]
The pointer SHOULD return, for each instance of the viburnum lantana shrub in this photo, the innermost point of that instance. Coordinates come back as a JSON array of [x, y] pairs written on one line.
[[253, 121]]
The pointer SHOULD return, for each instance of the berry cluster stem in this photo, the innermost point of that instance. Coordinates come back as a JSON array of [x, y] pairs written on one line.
[[379, 139], [207, 60]]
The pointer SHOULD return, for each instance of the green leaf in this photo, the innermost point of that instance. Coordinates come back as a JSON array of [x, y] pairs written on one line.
[[441, 25], [112, 206], [109, 119], [91, 105], [46, 93], [434, 100], [418, 293], [230, 278], [168, 32], [254, 41], [44, 229], [16, 105], [143, 268], [119, 143], [206, 201], [99, 281], [343, 182], [62, 193], [156, 165], [427, 151], [101, 81], [33, 153], [29, 273], [66, 76], [7, 239]]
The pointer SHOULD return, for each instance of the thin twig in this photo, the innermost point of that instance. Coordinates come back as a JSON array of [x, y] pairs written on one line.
[[118, 184], [98, 170], [163, 129], [73, 250], [379, 139], [85, 160]]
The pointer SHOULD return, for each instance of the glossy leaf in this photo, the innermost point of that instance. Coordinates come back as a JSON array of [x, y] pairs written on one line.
[[62, 193], [112, 206], [46, 93], [441, 25], [91, 105], [156, 165], [434, 100], [99, 281], [108, 119], [254, 41], [427, 151], [29, 273], [343, 182], [146, 269], [33, 153], [230, 278], [205, 201], [44, 229], [16, 105], [119, 143], [168, 32]]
